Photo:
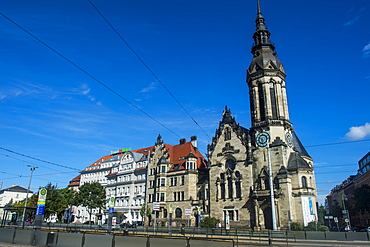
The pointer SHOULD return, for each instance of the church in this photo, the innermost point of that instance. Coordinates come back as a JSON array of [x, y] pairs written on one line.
[[261, 177]]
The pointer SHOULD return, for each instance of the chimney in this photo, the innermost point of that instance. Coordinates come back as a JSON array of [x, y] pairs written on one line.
[[194, 142], [182, 141]]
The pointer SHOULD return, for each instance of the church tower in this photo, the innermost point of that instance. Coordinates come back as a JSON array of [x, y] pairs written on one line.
[[263, 177]]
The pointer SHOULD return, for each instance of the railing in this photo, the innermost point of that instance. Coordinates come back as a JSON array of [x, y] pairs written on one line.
[[80, 234]]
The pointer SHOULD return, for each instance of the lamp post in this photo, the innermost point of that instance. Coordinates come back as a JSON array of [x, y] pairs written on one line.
[[348, 221], [272, 197], [29, 186]]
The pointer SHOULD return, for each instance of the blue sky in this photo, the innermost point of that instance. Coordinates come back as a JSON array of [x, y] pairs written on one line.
[[199, 50]]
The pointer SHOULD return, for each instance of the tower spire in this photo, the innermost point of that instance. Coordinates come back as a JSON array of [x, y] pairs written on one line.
[[261, 35], [266, 78], [259, 8]]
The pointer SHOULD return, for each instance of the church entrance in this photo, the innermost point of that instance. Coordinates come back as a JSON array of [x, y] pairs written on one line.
[[267, 214]]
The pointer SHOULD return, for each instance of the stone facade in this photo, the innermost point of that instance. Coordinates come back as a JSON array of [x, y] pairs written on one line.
[[178, 177], [246, 163]]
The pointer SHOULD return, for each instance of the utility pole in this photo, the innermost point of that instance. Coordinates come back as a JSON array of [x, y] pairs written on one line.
[[29, 186]]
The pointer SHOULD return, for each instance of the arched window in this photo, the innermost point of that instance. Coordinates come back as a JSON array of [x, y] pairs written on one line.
[[230, 187], [178, 213], [304, 182], [238, 189], [230, 163], [164, 213]]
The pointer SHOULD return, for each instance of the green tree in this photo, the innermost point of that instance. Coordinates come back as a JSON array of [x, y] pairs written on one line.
[[146, 211], [321, 213], [361, 196], [31, 203], [57, 200], [91, 195]]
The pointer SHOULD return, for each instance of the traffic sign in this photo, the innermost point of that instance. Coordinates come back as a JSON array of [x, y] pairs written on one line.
[[156, 206], [187, 211]]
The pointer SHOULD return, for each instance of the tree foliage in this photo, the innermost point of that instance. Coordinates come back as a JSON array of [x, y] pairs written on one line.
[[91, 195], [361, 196], [145, 210], [57, 200], [321, 214]]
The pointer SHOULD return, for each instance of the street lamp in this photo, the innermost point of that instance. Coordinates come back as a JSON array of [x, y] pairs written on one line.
[[272, 197], [29, 186]]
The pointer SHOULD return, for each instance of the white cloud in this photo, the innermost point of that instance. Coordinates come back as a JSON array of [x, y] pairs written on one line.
[[85, 92], [350, 22], [151, 87], [358, 132], [366, 50]]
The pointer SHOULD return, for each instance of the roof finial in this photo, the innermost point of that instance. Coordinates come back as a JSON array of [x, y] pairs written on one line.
[[258, 7]]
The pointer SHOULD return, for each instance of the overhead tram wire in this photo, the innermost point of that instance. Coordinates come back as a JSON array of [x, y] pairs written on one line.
[[90, 75], [40, 160], [148, 68], [29, 162], [336, 143]]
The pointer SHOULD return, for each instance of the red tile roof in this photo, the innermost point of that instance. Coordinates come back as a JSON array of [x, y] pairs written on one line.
[[178, 154], [75, 181]]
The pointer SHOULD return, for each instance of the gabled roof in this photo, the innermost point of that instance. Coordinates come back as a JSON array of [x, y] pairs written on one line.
[[15, 188], [179, 154]]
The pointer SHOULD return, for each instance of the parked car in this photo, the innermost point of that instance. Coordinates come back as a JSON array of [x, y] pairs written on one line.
[[89, 223]]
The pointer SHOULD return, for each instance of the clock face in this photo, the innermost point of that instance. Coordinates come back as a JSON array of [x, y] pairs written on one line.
[[263, 139], [289, 139]]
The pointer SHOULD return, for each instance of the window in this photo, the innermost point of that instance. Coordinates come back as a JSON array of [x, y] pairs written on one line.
[[230, 186], [178, 213], [304, 182], [174, 196], [230, 163], [182, 195], [171, 181], [163, 168], [182, 180], [164, 213], [238, 190], [163, 182], [175, 182], [223, 191], [162, 197]]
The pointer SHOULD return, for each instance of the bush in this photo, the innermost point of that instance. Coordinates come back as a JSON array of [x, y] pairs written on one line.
[[312, 226], [323, 228], [295, 226], [209, 222]]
